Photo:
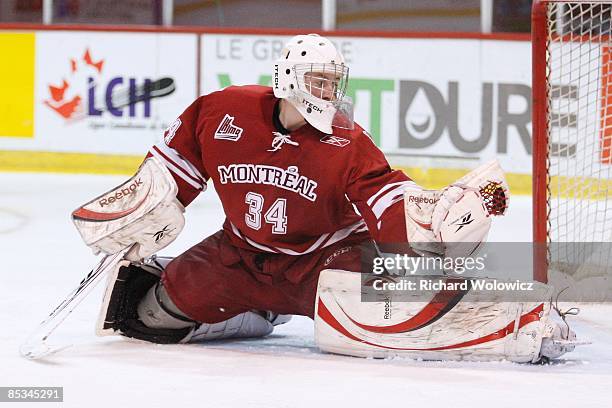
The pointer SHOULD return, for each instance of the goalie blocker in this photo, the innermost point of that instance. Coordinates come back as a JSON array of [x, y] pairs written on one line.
[[143, 212]]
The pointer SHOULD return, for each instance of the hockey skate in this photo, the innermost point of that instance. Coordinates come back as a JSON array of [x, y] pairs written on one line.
[[558, 338]]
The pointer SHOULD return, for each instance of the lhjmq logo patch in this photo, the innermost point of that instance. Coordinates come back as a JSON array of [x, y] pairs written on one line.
[[227, 130]]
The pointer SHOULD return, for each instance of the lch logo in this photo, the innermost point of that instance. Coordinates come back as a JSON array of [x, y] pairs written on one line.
[[85, 92]]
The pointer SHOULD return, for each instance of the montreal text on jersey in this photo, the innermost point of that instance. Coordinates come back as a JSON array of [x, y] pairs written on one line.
[[289, 179]]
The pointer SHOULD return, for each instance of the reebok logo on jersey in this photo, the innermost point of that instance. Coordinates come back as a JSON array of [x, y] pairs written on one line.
[[335, 140], [227, 130]]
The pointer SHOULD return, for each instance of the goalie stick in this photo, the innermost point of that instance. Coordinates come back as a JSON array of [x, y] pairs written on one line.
[[36, 346]]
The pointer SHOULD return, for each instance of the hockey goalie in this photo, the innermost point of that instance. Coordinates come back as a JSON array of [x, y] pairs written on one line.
[[307, 196]]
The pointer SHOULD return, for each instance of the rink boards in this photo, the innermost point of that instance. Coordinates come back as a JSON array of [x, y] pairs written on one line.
[[435, 105]]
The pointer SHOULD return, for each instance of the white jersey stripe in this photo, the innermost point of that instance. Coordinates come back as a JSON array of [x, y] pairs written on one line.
[[177, 170], [237, 232], [387, 201], [175, 156], [345, 232], [386, 188], [364, 228], [323, 241]]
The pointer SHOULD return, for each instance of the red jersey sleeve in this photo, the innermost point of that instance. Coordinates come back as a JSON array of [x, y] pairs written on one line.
[[378, 192], [181, 152]]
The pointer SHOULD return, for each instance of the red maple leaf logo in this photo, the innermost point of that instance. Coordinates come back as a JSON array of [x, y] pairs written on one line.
[[89, 61], [67, 107], [57, 93]]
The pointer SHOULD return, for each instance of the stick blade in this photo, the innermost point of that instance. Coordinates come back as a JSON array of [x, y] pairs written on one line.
[[37, 351], [151, 90], [161, 87]]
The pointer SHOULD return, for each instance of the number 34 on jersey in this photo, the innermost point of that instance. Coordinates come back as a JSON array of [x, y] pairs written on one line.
[[276, 214]]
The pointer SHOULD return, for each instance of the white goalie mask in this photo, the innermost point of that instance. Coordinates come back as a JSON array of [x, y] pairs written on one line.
[[312, 76]]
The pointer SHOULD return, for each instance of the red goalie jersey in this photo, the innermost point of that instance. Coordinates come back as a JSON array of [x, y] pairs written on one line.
[[282, 192]]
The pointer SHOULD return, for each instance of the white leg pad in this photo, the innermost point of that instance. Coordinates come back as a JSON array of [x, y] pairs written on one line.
[[473, 331], [247, 324]]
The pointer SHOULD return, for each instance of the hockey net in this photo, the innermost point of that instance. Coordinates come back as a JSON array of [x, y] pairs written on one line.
[[572, 137]]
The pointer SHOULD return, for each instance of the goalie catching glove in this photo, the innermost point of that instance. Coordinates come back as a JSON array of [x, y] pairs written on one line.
[[143, 212], [455, 221]]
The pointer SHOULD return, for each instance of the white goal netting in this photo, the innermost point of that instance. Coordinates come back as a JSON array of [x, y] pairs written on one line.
[[579, 115]]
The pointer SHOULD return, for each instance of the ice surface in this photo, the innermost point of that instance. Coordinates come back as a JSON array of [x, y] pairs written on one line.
[[43, 259]]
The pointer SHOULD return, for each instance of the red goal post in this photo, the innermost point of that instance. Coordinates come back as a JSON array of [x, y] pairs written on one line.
[[572, 132]]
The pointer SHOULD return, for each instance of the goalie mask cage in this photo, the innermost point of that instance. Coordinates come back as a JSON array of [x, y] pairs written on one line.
[[572, 135]]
